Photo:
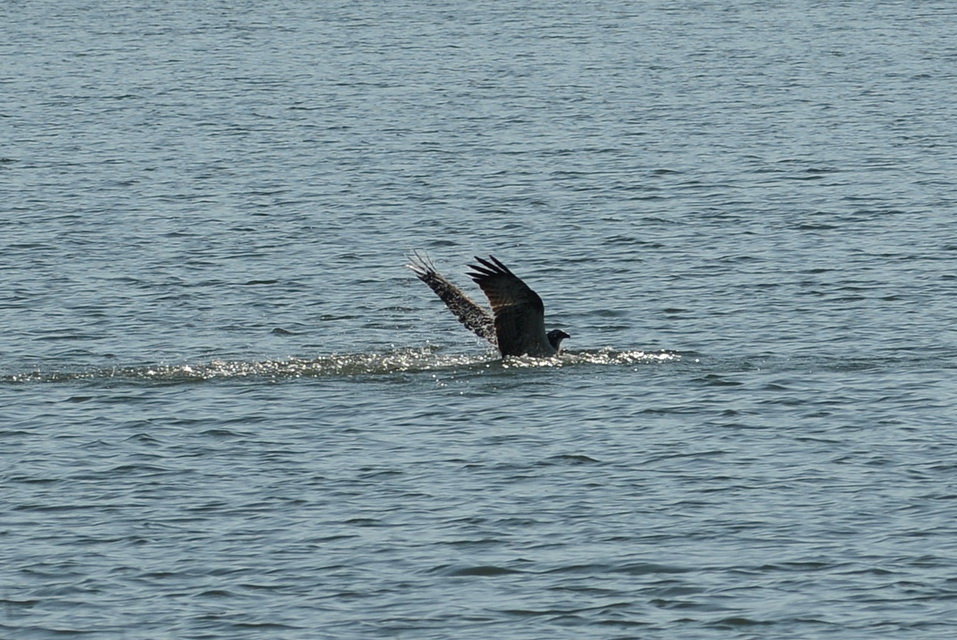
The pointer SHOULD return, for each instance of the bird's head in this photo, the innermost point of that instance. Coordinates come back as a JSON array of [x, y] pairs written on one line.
[[555, 337]]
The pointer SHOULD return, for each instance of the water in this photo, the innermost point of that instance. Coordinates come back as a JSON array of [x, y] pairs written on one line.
[[227, 410]]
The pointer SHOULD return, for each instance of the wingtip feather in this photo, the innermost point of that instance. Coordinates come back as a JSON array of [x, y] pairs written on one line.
[[420, 263], [490, 267]]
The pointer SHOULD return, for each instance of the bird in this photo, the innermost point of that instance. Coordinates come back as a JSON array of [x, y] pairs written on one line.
[[516, 324]]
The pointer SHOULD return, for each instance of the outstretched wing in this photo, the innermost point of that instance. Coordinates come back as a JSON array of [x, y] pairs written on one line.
[[519, 311], [468, 312]]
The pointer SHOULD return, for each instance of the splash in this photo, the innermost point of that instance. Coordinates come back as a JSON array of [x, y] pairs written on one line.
[[342, 366], [606, 357]]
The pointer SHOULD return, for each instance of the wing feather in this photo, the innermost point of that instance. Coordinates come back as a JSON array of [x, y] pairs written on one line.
[[519, 311], [470, 314]]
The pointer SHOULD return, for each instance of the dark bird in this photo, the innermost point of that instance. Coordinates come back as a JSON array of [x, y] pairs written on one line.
[[516, 324]]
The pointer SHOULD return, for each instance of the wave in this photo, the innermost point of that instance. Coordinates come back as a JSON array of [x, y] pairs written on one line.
[[341, 365]]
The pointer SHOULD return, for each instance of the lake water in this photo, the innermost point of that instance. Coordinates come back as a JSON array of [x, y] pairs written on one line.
[[227, 409]]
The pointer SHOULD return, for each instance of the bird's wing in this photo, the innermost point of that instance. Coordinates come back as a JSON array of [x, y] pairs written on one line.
[[468, 312], [519, 311]]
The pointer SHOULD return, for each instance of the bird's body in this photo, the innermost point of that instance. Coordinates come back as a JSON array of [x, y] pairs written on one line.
[[516, 325]]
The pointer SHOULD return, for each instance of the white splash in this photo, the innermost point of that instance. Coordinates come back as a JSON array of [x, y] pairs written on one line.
[[347, 365]]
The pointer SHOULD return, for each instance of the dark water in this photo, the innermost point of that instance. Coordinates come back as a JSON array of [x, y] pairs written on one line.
[[228, 411]]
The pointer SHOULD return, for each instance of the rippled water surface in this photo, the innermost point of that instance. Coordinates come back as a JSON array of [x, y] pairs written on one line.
[[228, 410]]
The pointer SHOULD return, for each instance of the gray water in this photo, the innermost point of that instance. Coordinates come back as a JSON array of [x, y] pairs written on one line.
[[228, 411]]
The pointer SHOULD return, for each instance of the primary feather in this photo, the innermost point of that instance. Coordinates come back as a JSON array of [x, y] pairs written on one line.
[[474, 317]]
